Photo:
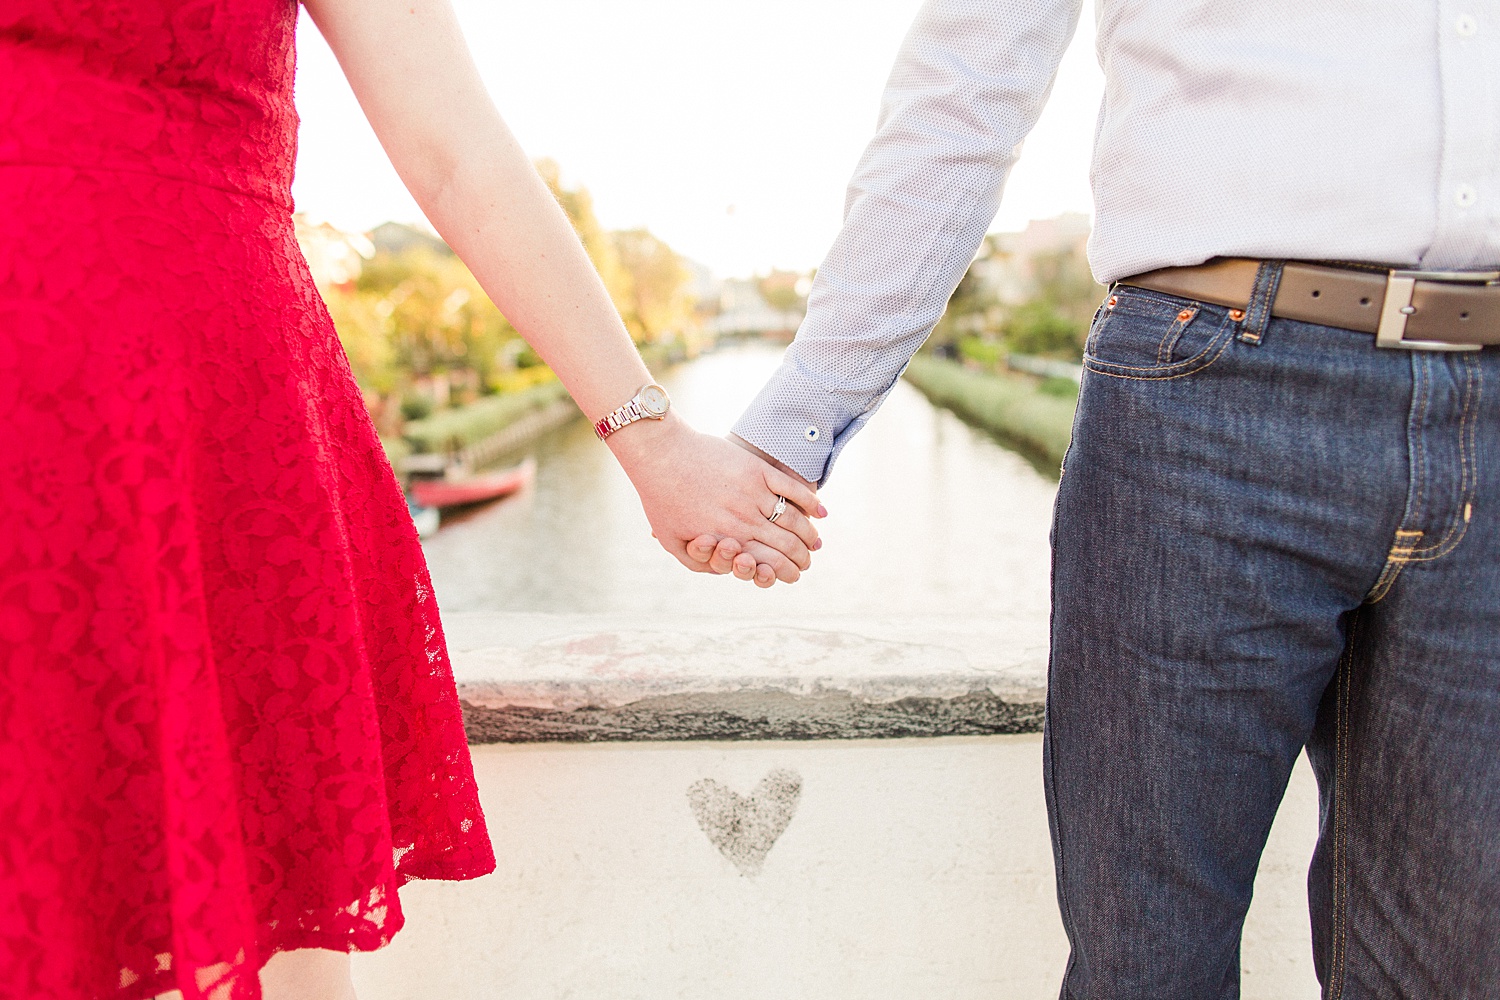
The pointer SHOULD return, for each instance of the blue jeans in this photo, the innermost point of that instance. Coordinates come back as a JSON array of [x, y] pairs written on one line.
[[1271, 535]]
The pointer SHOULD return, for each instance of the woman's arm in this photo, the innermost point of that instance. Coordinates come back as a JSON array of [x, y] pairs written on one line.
[[412, 73]]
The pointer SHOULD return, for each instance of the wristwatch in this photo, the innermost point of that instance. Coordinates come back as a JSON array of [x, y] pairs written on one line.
[[649, 403]]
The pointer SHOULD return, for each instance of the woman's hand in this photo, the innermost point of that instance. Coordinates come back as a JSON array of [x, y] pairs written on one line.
[[696, 488]]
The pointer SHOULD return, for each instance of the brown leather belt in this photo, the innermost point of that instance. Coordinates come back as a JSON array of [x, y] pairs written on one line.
[[1416, 310]]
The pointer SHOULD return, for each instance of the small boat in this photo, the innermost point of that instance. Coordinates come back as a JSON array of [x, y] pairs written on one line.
[[445, 493]]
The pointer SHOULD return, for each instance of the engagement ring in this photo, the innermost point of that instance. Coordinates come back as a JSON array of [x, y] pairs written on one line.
[[780, 508]]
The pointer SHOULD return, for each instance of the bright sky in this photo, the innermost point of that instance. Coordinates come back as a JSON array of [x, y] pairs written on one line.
[[729, 130]]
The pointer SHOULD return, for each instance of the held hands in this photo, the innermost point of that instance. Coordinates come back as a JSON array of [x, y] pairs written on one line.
[[709, 502]]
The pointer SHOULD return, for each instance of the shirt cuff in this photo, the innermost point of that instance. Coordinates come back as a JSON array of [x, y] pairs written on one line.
[[801, 424]]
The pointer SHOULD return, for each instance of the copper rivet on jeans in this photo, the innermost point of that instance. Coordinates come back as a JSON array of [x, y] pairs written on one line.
[[1236, 314], [1184, 316], [1112, 300]]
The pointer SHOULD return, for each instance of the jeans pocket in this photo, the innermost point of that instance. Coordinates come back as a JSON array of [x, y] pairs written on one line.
[[1147, 335]]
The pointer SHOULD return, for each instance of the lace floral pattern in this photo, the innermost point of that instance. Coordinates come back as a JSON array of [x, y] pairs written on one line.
[[228, 726]]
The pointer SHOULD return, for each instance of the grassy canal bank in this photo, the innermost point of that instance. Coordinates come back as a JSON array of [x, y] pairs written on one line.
[[1031, 416], [450, 432], [479, 432]]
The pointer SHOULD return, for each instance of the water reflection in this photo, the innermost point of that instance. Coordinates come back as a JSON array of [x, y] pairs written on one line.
[[928, 517]]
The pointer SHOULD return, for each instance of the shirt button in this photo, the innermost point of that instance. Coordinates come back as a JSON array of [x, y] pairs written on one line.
[[1466, 25], [1465, 196], [812, 433]]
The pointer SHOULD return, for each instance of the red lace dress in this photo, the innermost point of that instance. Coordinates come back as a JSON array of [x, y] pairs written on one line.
[[228, 726]]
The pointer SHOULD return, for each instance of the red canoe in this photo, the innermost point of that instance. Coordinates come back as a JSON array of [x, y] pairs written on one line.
[[477, 489]]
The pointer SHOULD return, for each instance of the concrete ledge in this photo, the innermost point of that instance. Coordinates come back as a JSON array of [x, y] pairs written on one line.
[[754, 715], [589, 678]]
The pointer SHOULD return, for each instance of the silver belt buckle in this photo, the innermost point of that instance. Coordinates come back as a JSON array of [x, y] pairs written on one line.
[[1399, 287]]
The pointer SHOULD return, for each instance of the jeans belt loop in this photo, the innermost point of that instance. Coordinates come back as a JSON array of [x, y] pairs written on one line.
[[1262, 298]]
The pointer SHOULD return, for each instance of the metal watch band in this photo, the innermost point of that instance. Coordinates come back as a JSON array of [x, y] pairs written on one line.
[[650, 402], [627, 414]]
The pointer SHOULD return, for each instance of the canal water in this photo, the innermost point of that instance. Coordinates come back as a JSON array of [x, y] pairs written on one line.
[[928, 517]]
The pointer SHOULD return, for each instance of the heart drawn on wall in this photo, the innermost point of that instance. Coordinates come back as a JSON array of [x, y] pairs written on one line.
[[744, 828]]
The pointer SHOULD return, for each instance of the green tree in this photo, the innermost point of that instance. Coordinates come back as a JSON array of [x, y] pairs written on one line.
[[656, 301], [1055, 320], [1052, 321], [1063, 280], [785, 291], [968, 313], [437, 319], [1038, 327], [419, 331], [578, 205]]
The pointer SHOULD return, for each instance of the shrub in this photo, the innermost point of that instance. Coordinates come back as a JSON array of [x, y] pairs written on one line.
[[1064, 388], [1013, 408], [417, 406], [1038, 328], [450, 430], [982, 352]]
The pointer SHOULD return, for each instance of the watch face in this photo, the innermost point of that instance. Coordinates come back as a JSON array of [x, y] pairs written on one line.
[[654, 400]]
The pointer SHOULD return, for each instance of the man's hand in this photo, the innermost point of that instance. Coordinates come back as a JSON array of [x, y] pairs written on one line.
[[704, 492]]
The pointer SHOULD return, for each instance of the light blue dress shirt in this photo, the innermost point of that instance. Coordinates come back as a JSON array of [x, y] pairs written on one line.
[[1361, 130]]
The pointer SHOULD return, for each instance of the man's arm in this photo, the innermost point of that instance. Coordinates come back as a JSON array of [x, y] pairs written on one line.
[[967, 87]]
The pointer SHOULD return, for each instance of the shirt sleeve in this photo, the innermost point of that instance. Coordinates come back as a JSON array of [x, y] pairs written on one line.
[[968, 85]]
